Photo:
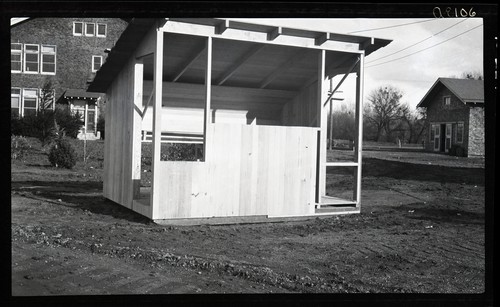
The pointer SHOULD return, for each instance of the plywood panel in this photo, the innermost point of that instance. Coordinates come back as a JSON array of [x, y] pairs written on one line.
[[118, 184], [254, 170]]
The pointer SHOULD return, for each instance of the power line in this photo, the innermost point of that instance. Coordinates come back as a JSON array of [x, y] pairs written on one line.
[[424, 48], [416, 43], [395, 26]]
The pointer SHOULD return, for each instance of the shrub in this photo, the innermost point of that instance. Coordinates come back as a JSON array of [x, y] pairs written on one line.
[[180, 152], [100, 125], [16, 124], [71, 123], [62, 154], [19, 147]]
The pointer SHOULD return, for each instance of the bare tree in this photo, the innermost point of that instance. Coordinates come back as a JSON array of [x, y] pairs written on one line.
[[384, 109], [473, 75], [415, 122]]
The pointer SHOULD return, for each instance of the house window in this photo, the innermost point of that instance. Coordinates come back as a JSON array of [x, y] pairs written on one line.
[[89, 29], [447, 100], [15, 100], [96, 62], [16, 56], [31, 58], [48, 59], [460, 132], [77, 28], [101, 30], [30, 101]]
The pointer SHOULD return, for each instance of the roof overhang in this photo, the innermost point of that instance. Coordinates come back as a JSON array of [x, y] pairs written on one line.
[[346, 46], [81, 94]]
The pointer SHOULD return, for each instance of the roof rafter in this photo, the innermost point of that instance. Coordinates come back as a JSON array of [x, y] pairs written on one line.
[[299, 55], [238, 63], [198, 51]]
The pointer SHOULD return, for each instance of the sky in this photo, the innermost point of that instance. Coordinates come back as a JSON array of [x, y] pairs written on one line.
[[421, 51]]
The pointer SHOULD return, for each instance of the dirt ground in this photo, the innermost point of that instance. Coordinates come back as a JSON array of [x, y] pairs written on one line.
[[421, 230]]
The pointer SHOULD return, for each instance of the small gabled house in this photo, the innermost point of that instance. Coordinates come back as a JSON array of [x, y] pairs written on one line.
[[455, 116], [253, 97], [65, 51]]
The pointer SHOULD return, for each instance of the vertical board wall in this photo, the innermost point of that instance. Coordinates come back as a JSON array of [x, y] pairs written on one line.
[[252, 170], [118, 185]]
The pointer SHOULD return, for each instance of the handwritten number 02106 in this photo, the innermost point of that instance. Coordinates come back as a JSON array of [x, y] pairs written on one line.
[[448, 12]]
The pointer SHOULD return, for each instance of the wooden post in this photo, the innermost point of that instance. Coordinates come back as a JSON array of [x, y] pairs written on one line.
[[208, 95], [358, 151], [321, 163], [157, 110], [136, 128]]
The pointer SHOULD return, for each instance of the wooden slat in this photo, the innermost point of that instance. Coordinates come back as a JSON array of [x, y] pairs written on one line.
[[208, 97], [334, 201], [341, 164]]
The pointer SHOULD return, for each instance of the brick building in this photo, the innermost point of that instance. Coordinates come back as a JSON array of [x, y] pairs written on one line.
[[455, 116], [65, 51]]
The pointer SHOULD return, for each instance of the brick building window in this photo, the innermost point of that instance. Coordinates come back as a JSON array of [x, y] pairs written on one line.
[[460, 133], [89, 29], [16, 57], [96, 62], [30, 101], [77, 28], [15, 100], [101, 30], [31, 58], [48, 59]]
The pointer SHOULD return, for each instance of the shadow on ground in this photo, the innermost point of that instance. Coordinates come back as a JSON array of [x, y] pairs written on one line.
[[84, 195]]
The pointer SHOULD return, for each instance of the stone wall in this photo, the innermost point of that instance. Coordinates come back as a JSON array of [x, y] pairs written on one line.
[[476, 132]]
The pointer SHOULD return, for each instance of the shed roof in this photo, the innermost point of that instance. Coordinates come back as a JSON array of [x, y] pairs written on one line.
[[467, 90], [139, 27]]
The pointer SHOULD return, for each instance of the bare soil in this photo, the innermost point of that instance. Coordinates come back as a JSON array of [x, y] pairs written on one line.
[[421, 230]]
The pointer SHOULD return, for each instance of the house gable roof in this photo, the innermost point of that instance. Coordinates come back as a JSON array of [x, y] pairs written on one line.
[[467, 90]]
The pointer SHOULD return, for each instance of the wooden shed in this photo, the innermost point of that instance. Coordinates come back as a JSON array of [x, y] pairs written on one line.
[[253, 97]]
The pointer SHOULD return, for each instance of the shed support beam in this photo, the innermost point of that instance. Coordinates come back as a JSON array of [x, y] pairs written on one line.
[[342, 80], [274, 33], [321, 113], [358, 150], [157, 110], [222, 27], [207, 118], [189, 61], [287, 65], [238, 63], [137, 126], [318, 41]]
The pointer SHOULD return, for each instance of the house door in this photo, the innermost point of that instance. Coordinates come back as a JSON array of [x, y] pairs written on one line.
[[437, 133], [448, 138], [442, 137]]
